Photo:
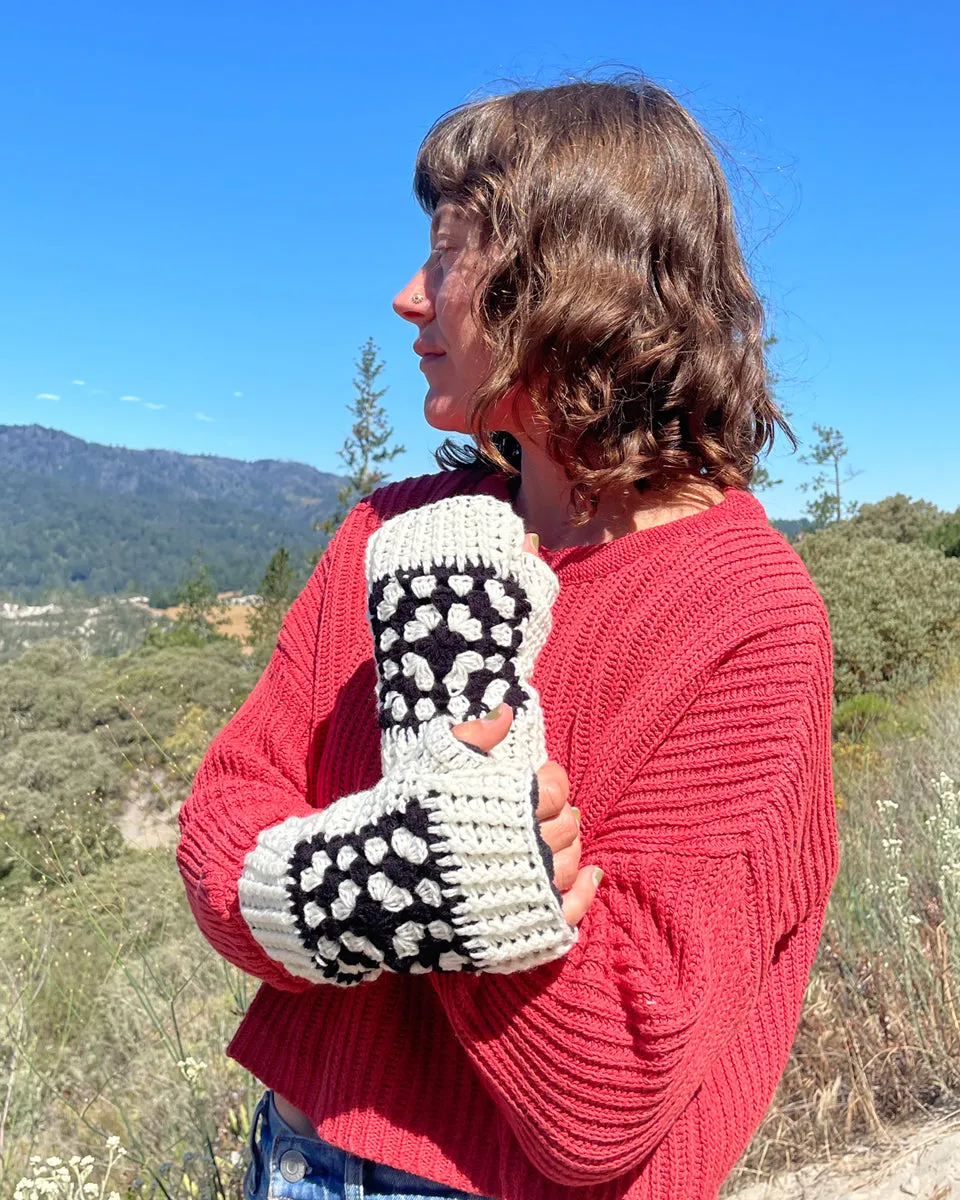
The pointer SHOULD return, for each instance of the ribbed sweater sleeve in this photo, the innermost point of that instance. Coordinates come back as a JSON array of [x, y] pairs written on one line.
[[254, 775], [719, 847]]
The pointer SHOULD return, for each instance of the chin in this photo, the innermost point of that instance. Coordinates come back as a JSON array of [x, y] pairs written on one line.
[[446, 413]]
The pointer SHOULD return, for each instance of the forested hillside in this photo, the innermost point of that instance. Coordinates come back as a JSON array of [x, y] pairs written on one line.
[[76, 514]]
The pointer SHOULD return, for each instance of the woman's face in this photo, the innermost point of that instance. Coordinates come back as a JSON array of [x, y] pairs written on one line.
[[439, 301]]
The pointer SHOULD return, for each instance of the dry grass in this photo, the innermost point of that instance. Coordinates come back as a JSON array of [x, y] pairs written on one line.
[[233, 623], [879, 1039], [113, 1017]]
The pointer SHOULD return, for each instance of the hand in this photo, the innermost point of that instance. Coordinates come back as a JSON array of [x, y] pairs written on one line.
[[559, 823]]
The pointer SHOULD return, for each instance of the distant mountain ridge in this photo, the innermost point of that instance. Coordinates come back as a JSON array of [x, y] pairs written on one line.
[[76, 513], [268, 485]]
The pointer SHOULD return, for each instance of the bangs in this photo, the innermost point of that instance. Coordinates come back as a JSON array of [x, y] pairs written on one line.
[[463, 156]]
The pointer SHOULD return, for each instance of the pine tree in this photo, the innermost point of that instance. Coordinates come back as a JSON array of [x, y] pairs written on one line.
[[761, 480], [367, 449], [277, 591], [201, 611], [828, 504]]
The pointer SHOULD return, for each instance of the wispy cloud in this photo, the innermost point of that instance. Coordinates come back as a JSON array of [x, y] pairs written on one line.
[[131, 399], [97, 392], [47, 396], [202, 417], [238, 393], [147, 404], [79, 382]]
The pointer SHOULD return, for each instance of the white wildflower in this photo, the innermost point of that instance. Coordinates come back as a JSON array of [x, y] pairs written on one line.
[[191, 1069]]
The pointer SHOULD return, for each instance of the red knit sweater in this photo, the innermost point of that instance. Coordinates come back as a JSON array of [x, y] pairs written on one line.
[[686, 687]]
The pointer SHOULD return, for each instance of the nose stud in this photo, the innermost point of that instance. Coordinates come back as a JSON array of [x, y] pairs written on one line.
[[417, 298]]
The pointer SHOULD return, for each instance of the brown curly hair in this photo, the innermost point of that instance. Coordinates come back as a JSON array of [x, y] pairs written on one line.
[[614, 291]]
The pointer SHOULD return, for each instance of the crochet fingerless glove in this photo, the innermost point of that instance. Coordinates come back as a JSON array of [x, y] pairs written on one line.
[[440, 866]]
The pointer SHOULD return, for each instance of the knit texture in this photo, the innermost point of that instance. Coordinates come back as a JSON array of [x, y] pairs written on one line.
[[685, 686], [441, 865]]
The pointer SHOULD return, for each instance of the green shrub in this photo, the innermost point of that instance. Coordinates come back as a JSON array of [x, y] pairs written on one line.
[[147, 694], [58, 794], [946, 536], [47, 687], [857, 718], [894, 609], [896, 519]]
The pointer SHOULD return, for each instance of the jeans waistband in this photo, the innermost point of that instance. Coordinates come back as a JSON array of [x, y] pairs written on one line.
[[276, 1138]]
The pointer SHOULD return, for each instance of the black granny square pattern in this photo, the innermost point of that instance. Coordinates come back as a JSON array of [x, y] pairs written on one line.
[[446, 641], [384, 880]]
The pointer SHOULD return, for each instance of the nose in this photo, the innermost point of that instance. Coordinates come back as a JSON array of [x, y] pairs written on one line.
[[413, 301]]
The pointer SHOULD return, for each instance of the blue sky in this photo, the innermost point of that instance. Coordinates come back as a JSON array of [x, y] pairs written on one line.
[[206, 208]]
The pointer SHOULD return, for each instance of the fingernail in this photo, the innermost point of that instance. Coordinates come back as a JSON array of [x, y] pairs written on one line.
[[492, 715], [535, 538], [597, 876], [576, 813]]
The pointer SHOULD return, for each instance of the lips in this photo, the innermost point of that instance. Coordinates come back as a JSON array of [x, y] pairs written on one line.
[[424, 350]]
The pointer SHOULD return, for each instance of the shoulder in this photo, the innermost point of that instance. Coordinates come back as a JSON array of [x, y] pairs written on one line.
[[348, 544], [416, 491], [748, 574], [341, 571], [750, 618]]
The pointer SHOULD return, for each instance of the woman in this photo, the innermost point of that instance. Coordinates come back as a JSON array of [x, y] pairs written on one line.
[[629, 859]]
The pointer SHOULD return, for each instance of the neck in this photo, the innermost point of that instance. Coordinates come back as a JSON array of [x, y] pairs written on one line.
[[542, 503]]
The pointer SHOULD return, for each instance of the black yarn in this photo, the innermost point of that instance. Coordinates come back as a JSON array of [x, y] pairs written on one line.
[[441, 647], [369, 917]]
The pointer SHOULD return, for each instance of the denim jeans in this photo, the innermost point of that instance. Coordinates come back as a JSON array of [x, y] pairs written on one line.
[[286, 1166]]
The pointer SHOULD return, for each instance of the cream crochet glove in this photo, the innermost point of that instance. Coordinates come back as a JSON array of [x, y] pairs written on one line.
[[440, 866]]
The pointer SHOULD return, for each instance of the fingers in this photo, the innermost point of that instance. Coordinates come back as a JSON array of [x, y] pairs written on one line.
[[487, 732], [581, 894], [553, 787], [562, 830], [566, 865], [531, 543]]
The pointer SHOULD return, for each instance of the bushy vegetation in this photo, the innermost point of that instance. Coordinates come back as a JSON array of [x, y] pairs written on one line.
[[894, 608], [110, 1001], [897, 519], [108, 625], [81, 736]]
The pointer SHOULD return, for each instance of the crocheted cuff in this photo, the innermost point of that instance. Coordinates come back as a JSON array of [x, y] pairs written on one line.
[[440, 867], [458, 612]]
